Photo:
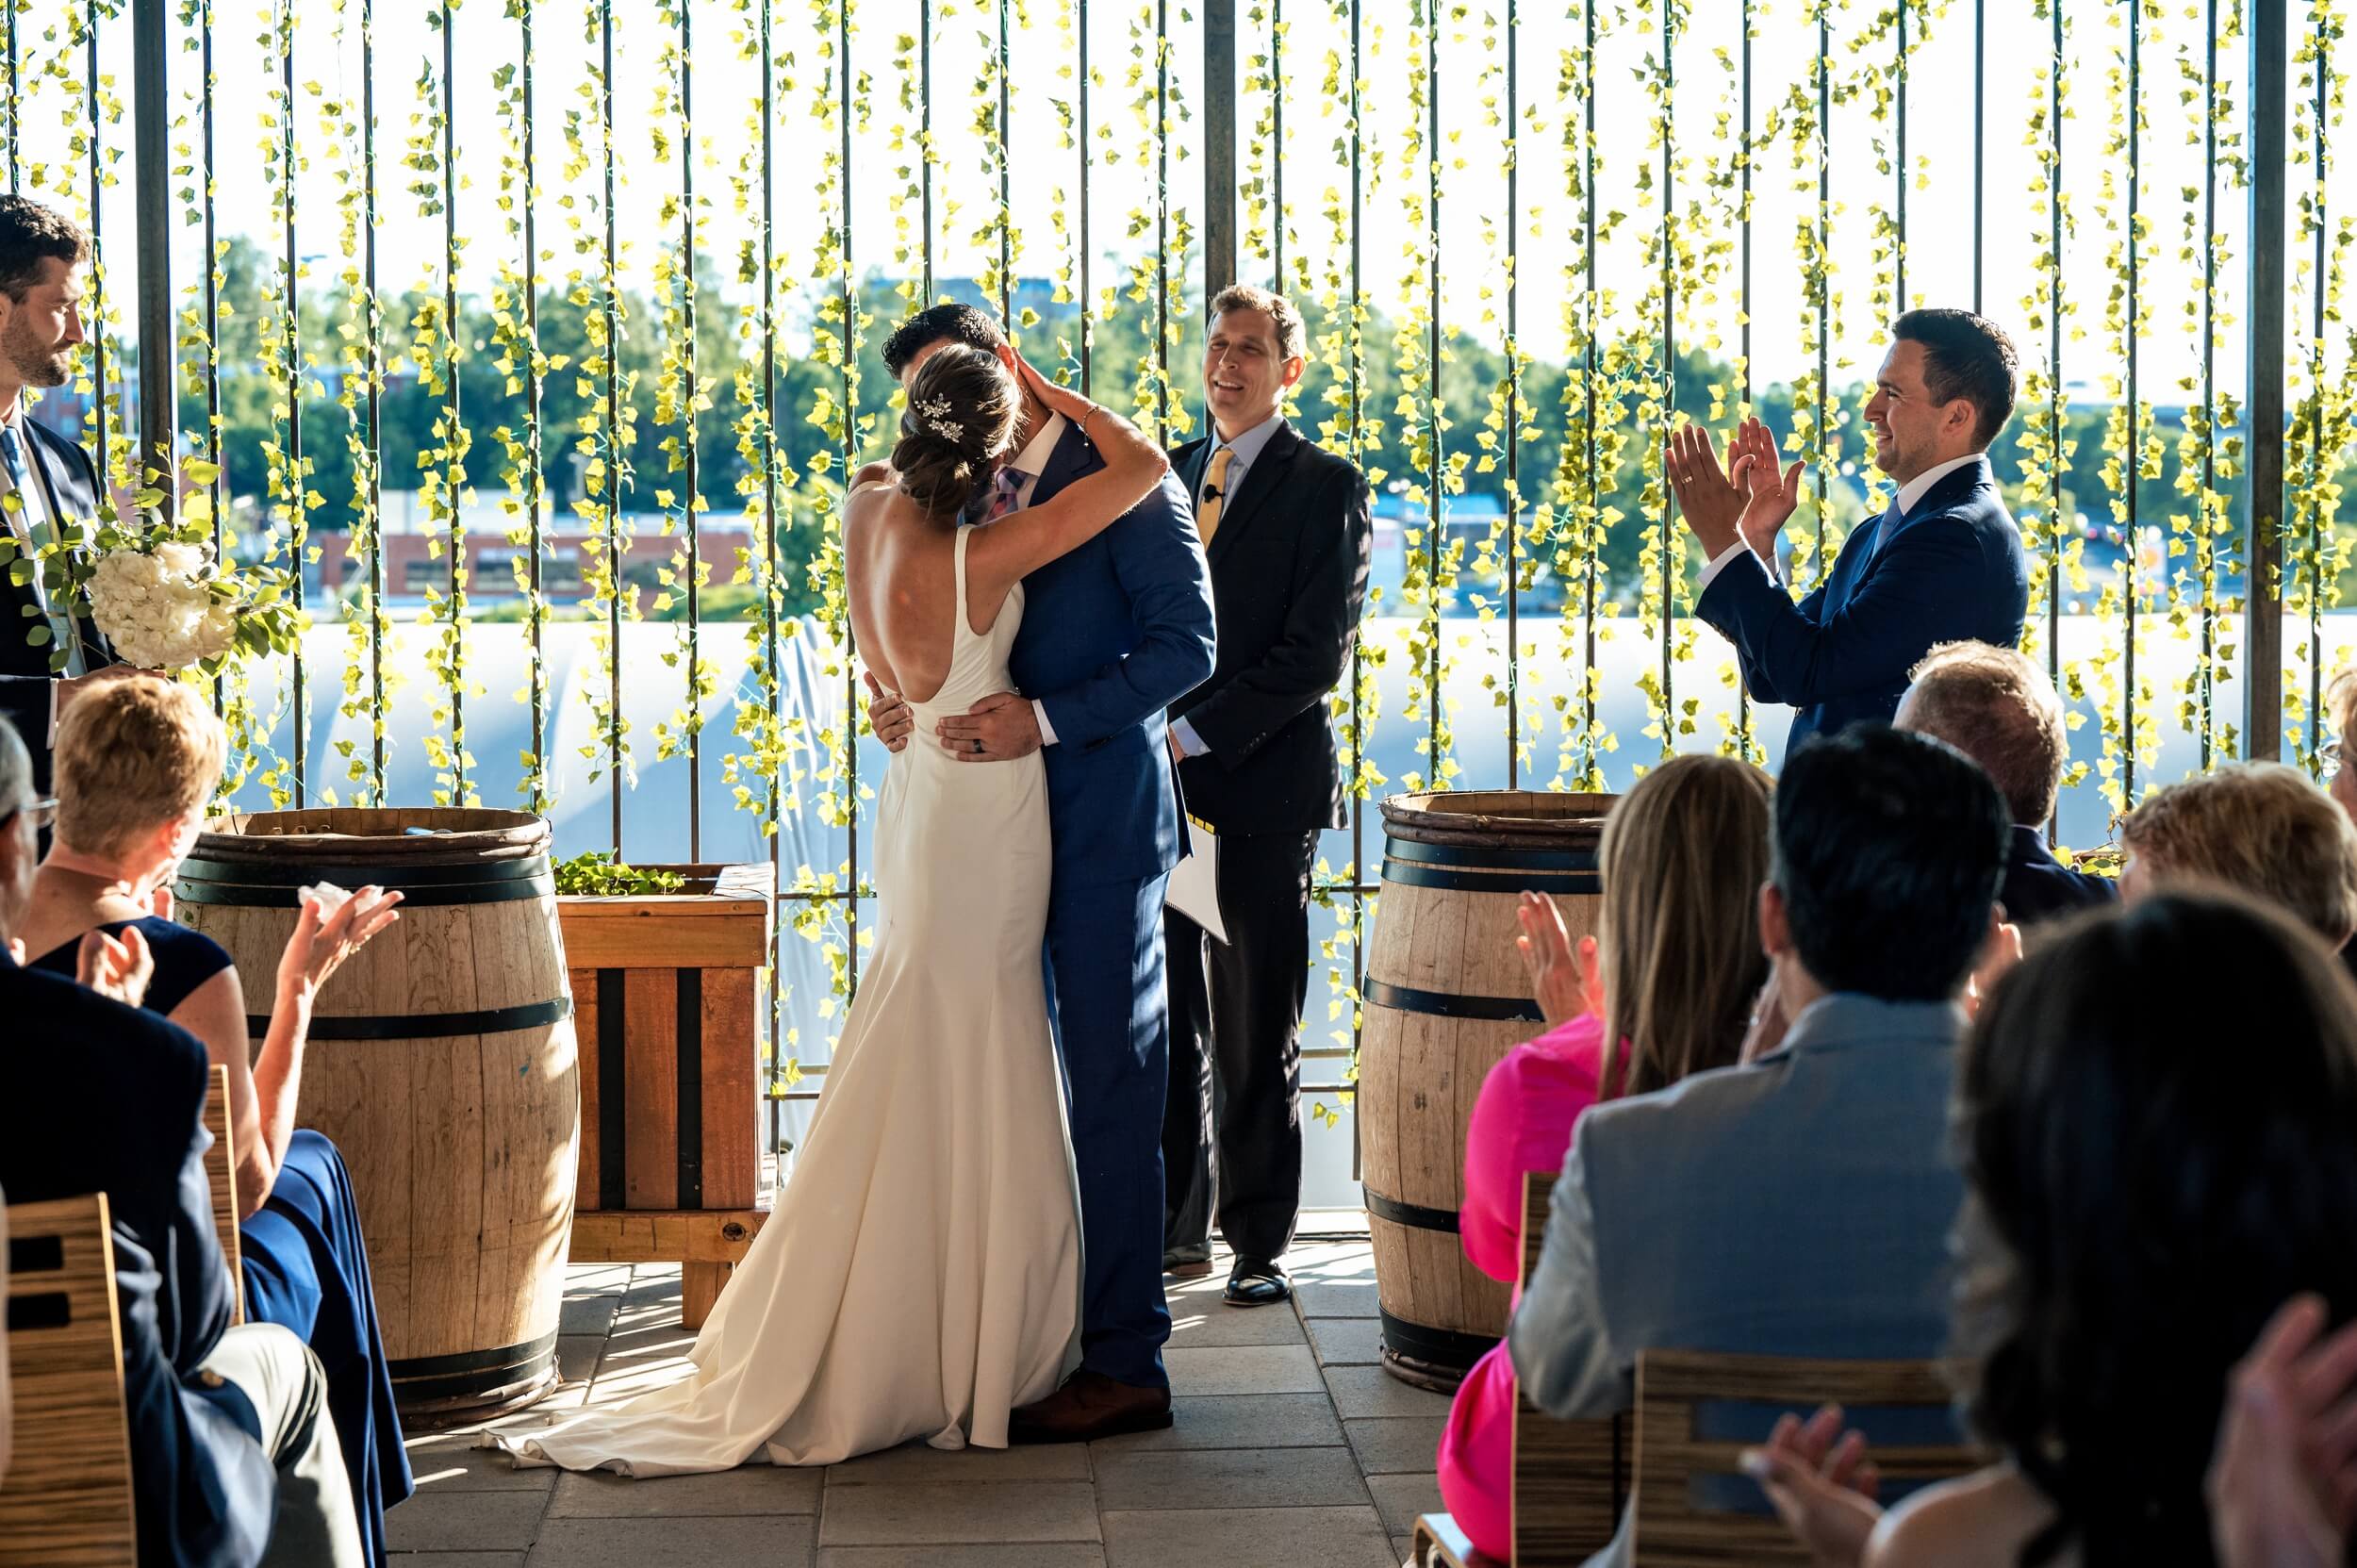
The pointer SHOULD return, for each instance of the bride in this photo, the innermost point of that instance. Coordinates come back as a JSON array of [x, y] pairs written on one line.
[[921, 1275]]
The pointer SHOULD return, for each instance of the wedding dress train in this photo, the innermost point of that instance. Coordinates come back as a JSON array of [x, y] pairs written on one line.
[[921, 1273]]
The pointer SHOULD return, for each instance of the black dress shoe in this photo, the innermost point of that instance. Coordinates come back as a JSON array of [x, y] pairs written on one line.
[[1254, 1282], [1187, 1263]]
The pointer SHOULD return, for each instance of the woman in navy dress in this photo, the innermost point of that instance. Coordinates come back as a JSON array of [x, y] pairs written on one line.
[[138, 758]]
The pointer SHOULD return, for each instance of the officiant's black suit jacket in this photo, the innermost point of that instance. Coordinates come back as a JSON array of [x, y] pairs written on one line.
[[72, 482], [1289, 579]]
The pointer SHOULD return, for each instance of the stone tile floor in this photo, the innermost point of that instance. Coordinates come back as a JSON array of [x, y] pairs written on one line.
[[1291, 1449]]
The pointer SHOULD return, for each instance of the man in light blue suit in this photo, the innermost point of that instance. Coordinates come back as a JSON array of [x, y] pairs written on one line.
[[1116, 631], [1800, 1204], [1942, 564]]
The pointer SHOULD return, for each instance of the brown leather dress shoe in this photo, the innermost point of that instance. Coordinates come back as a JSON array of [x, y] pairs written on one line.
[[1090, 1405]]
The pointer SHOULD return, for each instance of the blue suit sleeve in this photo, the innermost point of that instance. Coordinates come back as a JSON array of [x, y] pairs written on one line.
[[1160, 567], [1795, 653]]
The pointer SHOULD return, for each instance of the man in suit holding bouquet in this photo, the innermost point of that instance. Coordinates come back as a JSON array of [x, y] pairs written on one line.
[[46, 481]]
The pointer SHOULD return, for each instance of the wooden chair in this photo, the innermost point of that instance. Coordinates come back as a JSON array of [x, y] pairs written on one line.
[[221, 1173], [66, 1502], [1678, 1466], [1570, 1478]]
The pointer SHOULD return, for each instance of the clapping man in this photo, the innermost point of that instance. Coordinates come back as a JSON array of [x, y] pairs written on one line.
[[46, 480], [1287, 528], [1942, 564]]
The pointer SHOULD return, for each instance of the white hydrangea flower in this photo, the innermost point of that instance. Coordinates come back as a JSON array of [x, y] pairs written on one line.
[[157, 608]]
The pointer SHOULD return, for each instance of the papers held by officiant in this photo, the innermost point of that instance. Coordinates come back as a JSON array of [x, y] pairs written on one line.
[[1194, 885]]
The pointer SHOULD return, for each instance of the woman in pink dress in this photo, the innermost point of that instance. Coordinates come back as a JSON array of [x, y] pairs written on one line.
[[1670, 976]]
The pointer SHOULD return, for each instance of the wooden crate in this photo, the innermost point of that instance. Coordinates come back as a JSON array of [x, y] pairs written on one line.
[[666, 998]]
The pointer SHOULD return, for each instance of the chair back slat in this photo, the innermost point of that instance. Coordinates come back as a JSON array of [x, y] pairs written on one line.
[[221, 1175], [1570, 1478], [1674, 1528], [66, 1501]]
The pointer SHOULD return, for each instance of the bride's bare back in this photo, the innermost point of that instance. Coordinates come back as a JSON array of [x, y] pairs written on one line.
[[899, 570]]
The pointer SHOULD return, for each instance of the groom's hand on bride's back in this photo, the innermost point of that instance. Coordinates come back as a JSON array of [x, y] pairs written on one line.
[[888, 715], [999, 728]]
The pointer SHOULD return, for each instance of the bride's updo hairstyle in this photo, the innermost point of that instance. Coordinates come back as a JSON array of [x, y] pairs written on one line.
[[962, 406]]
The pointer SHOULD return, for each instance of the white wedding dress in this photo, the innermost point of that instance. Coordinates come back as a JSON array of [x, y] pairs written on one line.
[[921, 1273]]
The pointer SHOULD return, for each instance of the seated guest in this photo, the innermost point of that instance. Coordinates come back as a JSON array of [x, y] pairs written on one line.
[[1797, 1205], [2340, 725], [234, 1456], [1675, 962], [8, 1398], [2258, 827], [2134, 1218], [137, 758], [1998, 708]]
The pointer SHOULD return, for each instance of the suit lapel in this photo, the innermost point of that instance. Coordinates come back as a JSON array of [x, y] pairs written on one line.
[[1951, 487], [64, 496], [1198, 463], [1258, 480], [1070, 461]]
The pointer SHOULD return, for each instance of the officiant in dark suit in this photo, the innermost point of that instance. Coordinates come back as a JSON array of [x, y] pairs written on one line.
[[45, 478], [1287, 528]]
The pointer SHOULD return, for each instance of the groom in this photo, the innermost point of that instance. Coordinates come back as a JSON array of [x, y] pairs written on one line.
[[1118, 629]]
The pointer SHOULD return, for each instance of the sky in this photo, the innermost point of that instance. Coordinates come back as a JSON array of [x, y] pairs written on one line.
[[1942, 237]]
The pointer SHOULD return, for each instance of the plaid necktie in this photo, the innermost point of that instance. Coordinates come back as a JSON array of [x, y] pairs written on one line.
[[1004, 491]]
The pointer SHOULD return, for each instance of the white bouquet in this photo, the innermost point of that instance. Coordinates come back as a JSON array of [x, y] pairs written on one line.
[[161, 606], [162, 600]]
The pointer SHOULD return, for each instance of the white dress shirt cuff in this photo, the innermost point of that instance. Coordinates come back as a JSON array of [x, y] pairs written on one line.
[[1189, 744], [1718, 564], [1047, 731]]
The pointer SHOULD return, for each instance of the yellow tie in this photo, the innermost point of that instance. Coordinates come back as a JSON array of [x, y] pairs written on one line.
[[1214, 495]]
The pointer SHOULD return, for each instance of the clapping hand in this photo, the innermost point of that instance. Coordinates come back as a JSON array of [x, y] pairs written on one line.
[[321, 939], [1748, 499], [2282, 1483], [1563, 985], [1822, 1484], [1771, 493], [117, 967]]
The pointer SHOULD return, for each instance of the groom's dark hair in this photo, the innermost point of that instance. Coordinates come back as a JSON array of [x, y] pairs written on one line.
[[959, 324]]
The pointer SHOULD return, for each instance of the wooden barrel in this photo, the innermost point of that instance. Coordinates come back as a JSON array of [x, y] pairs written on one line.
[[442, 1065], [1445, 997]]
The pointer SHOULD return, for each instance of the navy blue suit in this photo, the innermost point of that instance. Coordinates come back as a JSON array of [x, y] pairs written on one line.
[[1113, 634], [69, 483], [2039, 887], [1950, 570], [106, 1098]]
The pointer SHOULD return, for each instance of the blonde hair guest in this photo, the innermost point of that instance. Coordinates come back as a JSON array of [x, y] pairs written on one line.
[[1662, 991], [2260, 828], [138, 758]]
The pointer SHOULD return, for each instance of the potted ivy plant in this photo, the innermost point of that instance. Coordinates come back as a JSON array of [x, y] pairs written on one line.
[[668, 965]]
